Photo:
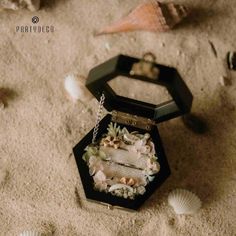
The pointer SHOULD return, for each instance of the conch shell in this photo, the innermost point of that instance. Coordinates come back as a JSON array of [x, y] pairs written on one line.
[[149, 16]]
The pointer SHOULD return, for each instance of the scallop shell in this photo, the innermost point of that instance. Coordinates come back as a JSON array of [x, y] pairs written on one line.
[[184, 201], [31, 233], [149, 16], [75, 86]]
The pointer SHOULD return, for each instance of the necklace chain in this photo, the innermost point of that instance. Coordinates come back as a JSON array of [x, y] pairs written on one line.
[[98, 118]]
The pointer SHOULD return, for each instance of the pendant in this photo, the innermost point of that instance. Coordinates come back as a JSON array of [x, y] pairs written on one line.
[[122, 163]]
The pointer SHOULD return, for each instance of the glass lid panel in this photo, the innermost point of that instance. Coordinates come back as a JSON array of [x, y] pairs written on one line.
[[139, 90]]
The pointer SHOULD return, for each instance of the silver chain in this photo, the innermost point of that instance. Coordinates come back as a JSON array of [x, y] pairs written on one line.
[[98, 118]]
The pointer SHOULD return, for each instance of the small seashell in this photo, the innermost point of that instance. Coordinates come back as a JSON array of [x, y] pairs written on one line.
[[30, 233], [123, 180], [149, 16], [127, 181], [119, 186], [131, 182], [184, 201], [76, 88], [153, 166], [231, 60], [130, 138], [141, 190]]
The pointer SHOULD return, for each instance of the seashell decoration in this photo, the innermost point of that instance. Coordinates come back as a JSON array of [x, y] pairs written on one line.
[[31, 233], [127, 181], [76, 89], [122, 163], [130, 138], [100, 180], [149, 16], [110, 141], [184, 201]]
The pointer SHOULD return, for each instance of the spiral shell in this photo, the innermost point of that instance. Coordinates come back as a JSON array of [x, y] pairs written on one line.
[[31, 233], [184, 201], [149, 16]]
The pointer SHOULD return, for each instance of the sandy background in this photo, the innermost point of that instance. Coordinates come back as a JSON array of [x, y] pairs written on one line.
[[40, 187]]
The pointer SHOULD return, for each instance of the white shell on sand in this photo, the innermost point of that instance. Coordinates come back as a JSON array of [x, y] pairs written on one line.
[[30, 233], [184, 201], [75, 86]]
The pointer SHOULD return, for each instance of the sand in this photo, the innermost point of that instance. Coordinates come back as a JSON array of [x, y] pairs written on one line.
[[40, 186]]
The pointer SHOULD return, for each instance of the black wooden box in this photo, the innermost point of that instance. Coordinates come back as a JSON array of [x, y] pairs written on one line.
[[140, 69]]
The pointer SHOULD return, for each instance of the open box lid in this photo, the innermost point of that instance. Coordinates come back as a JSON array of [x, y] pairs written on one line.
[[145, 70]]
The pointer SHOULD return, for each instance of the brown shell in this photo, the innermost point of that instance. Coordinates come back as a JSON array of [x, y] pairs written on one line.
[[149, 16]]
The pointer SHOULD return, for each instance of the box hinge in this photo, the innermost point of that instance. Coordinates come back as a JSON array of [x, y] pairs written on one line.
[[133, 120]]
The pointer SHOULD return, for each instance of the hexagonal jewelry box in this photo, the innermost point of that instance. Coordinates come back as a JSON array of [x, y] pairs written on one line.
[[133, 115]]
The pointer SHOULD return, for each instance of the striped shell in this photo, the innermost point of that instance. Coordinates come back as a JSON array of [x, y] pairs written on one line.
[[149, 16], [184, 201], [31, 233]]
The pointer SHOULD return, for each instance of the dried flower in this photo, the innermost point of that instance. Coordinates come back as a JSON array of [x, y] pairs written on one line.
[[100, 181], [141, 190], [110, 141], [113, 130], [94, 151], [95, 165], [153, 166]]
